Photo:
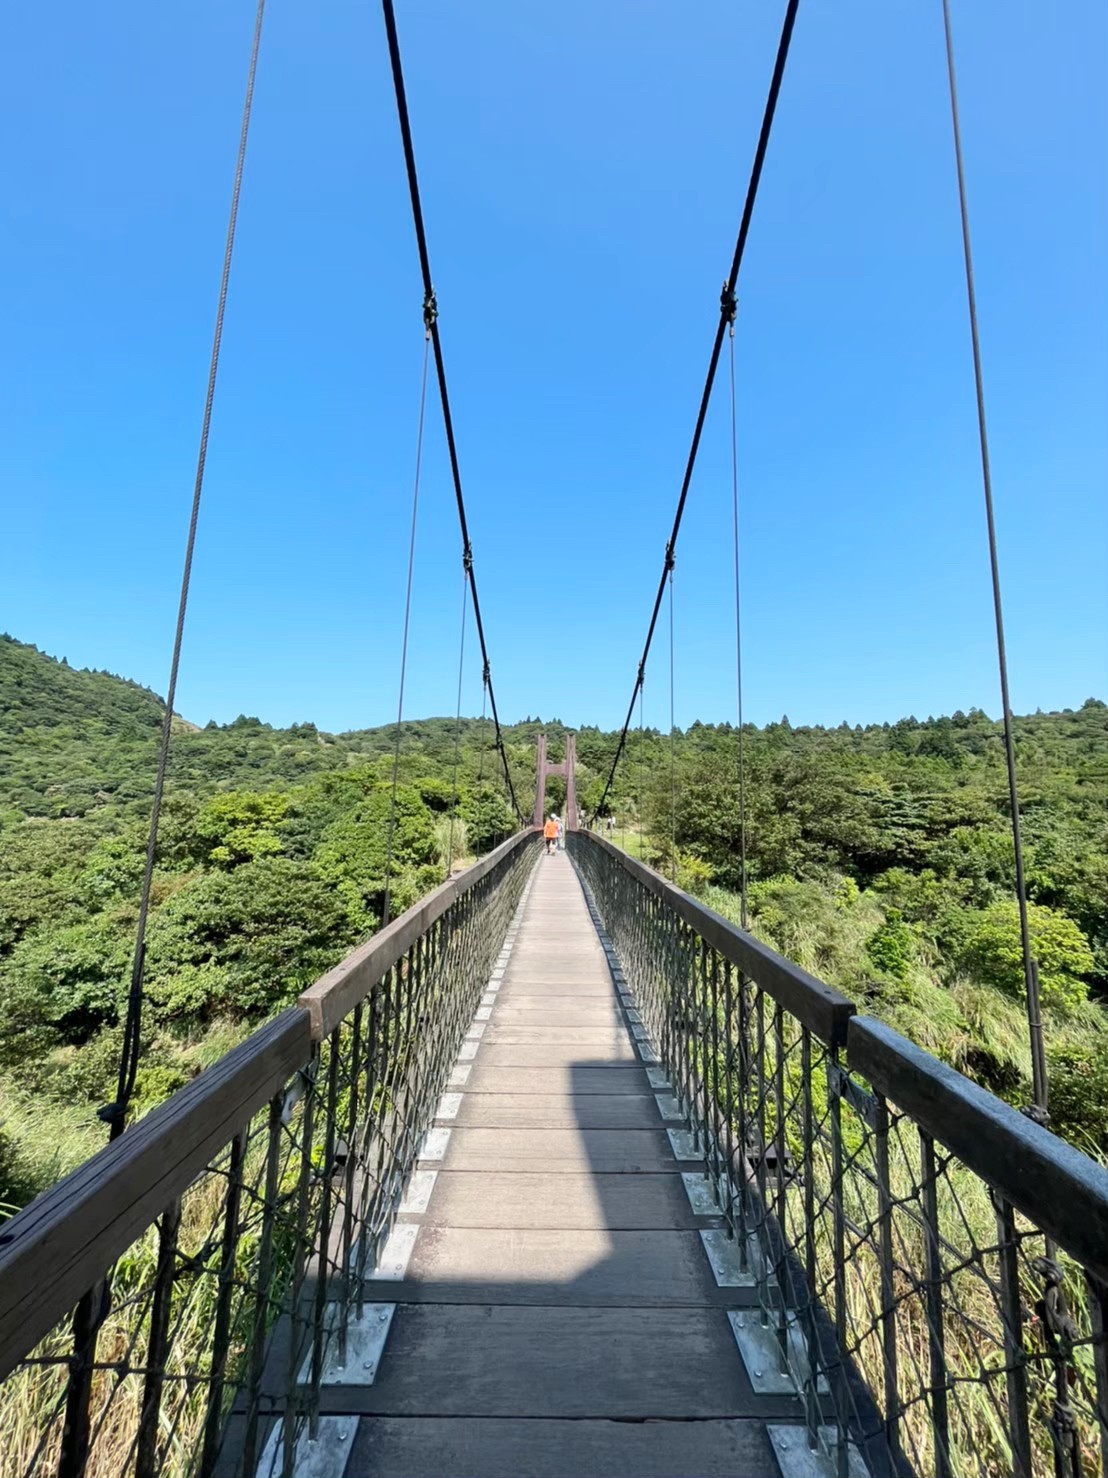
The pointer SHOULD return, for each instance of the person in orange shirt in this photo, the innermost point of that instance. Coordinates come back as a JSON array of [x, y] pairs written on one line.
[[550, 832]]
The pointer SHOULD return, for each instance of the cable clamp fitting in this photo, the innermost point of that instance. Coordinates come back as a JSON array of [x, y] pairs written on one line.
[[1037, 1114], [467, 559], [642, 674], [669, 558], [486, 675], [430, 312], [728, 304]]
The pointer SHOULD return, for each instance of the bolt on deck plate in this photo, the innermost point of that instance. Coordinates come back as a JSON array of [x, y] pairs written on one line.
[[684, 1145], [449, 1104], [798, 1459], [483, 1013], [658, 1080], [325, 1457], [647, 1052], [434, 1145], [365, 1344], [668, 1106], [761, 1352], [468, 1051], [489, 998], [698, 1188], [724, 1258], [418, 1195], [459, 1074], [393, 1259]]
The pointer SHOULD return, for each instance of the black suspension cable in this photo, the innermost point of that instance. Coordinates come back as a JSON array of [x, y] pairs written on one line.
[[428, 315], [672, 745], [642, 738], [484, 746], [115, 1114], [738, 631], [1040, 1086], [458, 722], [726, 297], [440, 370]]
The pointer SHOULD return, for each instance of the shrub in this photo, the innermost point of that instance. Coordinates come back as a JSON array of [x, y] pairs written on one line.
[[991, 950]]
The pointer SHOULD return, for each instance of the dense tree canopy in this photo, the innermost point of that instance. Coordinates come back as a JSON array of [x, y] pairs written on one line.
[[879, 857]]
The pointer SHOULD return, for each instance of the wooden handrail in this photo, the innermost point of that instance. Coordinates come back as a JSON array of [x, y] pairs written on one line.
[[820, 1008], [1064, 1192], [61, 1245], [334, 995]]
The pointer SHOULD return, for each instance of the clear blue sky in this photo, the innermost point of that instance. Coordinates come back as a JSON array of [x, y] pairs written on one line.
[[583, 168]]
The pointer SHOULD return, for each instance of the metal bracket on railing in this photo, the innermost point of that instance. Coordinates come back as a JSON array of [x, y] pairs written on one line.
[[295, 1092], [841, 1085]]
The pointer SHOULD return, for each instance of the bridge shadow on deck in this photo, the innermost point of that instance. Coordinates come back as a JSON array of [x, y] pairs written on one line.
[[558, 1317]]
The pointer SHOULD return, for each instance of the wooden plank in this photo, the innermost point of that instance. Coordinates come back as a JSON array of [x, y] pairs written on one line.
[[331, 999], [494, 1198], [823, 1010], [64, 1242], [558, 1111], [1064, 1192], [528, 1447], [498, 1360], [561, 1267], [457, 1447]]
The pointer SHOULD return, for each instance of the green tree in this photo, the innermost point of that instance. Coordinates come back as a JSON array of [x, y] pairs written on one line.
[[240, 826], [244, 942], [992, 952], [353, 853], [487, 817]]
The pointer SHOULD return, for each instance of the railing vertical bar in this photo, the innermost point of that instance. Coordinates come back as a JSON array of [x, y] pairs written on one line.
[[157, 1347], [1015, 1362], [766, 1251], [698, 1052], [325, 1234], [712, 1086], [78, 1418], [780, 1151], [838, 1214], [889, 1346], [221, 1326], [346, 1251], [371, 1140], [261, 1291], [740, 1165], [811, 1337], [726, 1191], [1098, 1309], [933, 1289], [413, 1127], [300, 1251], [684, 988]]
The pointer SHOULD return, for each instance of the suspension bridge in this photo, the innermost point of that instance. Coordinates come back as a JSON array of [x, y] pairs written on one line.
[[562, 1173]]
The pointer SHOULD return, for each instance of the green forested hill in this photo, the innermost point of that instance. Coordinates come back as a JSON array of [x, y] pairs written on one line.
[[879, 857]]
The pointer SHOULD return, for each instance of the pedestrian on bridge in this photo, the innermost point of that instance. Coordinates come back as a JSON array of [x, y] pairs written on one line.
[[550, 832]]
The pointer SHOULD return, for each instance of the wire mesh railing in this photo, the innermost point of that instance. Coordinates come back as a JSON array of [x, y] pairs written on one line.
[[929, 1265], [177, 1306]]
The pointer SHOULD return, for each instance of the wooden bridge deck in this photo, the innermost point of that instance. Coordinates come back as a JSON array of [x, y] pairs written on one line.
[[558, 1316]]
